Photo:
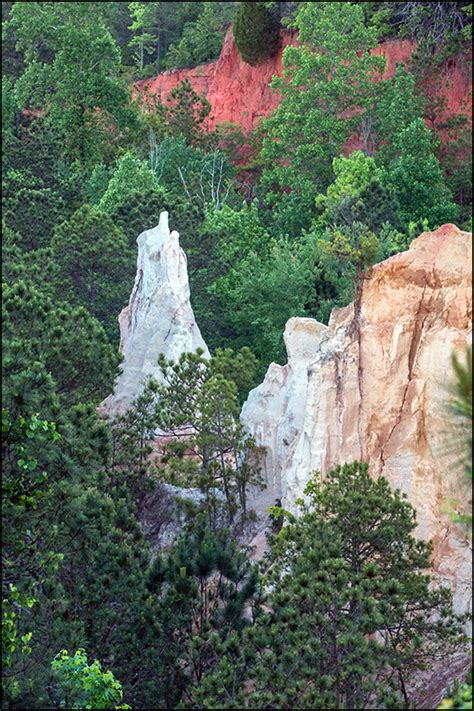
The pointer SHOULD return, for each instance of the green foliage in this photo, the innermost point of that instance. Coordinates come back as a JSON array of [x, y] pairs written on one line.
[[186, 113], [12, 59], [143, 20], [31, 212], [14, 644], [83, 685], [133, 434], [229, 235], [261, 292], [415, 176], [437, 22], [256, 32], [29, 484], [67, 341], [460, 697], [353, 175], [348, 602], [202, 177], [198, 404], [130, 175], [40, 189], [72, 543], [324, 78], [184, 626], [36, 267], [35, 160], [168, 35], [398, 104], [38, 471], [9, 107], [455, 157], [236, 233], [95, 265], [201, 407], [443, 25], [356, 244], [201, 41], [462, 403], [71, 71], [141, 211], [11, 643], [459, 446], [96, 184], [357, 195], [204, 585]]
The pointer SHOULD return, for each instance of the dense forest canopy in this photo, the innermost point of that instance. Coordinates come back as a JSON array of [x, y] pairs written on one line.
[[93, 619]]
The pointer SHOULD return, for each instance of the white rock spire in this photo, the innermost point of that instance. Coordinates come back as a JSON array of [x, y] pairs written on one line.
[[159, 317]]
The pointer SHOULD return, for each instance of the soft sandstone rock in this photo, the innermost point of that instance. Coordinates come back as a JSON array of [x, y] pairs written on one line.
[[376, 388], [159, 317], [276, 408]]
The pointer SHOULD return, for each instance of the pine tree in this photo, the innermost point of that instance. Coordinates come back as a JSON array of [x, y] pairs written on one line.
[[256, 32], [199, 406], [186, 113], [350, 612], [95, 265], [206, 586], [66, 342]]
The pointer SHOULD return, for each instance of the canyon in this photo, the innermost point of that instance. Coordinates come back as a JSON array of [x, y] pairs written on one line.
[[241, 94], [373, 385]]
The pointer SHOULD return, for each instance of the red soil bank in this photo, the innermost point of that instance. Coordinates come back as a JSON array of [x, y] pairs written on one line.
[[240, 94]]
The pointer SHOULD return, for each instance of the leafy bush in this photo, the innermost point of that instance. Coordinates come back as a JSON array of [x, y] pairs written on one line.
[[416, 178], [83, 685], [131, 175], [460, 697]]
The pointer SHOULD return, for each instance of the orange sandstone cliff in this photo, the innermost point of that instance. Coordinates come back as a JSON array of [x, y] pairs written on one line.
[[374, 385]]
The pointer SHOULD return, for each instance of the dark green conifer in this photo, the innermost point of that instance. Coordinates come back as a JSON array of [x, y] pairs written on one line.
[[349, 605], [256, 32]]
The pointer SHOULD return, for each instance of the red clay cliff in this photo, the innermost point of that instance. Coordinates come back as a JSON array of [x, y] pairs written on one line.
[[241, 94]]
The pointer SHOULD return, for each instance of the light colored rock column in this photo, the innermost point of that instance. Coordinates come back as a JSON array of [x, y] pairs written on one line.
[[275, 410], [159, 317]]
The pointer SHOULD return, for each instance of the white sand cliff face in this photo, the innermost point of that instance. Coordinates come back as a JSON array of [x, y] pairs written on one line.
[[375, 386], [159, 317]]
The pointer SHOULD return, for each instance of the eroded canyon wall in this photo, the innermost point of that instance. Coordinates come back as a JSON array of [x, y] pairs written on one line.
[[374, 385], [241, 94]]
